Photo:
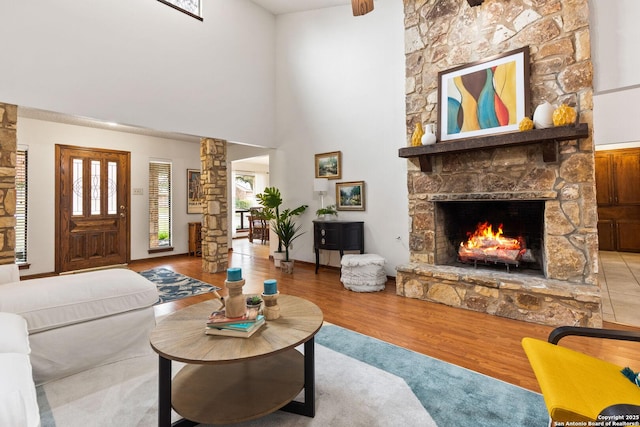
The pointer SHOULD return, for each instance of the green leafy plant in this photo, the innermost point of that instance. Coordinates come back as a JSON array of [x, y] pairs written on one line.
[[254, 300], [329, 210], [243, 204], [287, 231], [271, 200]]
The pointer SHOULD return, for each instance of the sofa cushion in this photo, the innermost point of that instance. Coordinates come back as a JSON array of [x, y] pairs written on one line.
[[74, 298], [18, 401], [14, 337]]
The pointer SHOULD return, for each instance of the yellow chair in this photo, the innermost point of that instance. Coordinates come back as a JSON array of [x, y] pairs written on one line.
[[581, 388]]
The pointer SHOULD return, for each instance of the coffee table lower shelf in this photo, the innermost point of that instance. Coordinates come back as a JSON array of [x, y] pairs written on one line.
[[240, 391]]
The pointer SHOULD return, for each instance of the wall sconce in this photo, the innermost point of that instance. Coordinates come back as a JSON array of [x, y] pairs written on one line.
[[474, 2], [361, 7], [321, 186]]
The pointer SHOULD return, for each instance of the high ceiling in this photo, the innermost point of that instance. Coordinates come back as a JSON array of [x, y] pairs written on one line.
[[278, 7]]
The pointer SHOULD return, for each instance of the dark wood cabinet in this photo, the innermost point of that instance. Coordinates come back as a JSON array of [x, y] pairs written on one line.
[[195, 238], [337, 236], [617, 175]]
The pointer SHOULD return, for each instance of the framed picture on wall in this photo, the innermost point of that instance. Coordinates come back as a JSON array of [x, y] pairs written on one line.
[[484, 98], [195, 195], [350, 196], [329, 165]]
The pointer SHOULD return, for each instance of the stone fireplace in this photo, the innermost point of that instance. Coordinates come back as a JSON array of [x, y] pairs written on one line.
[[539, 187]]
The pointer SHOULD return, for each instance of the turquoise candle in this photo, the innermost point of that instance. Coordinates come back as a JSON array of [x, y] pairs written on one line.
[[270, 287], [234, 274]]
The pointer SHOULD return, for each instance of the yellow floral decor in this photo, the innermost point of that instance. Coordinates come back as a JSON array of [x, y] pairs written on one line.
[[525, 124], [564, 115], [416, 138]]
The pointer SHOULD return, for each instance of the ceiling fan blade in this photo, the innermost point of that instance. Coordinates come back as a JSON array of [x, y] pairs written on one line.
[[361, 7]]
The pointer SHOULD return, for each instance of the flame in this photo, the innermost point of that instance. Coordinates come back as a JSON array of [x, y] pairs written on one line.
[[485, 238]]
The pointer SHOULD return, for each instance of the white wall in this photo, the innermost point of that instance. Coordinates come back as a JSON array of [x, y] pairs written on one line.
[[340, 87], [142, 63], [614, 43], [614, 39], [41, 136]]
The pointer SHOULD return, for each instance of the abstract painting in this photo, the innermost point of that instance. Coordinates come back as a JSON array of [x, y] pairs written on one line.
[[484, 98]]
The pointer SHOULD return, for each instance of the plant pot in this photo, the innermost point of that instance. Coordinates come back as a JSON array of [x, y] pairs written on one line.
[[287, 266], [277, 258], [257, 307]]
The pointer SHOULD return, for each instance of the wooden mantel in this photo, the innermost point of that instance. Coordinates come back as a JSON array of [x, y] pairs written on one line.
[[548, 137]]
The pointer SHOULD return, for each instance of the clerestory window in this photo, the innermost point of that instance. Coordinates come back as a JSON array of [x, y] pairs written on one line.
[[192, 8]]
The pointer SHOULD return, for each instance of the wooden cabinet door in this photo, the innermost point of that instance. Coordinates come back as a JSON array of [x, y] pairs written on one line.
[[628, 234], [627, 177], [606, 235], [604, 181]]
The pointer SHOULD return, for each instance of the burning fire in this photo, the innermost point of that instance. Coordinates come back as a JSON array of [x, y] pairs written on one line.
[[485, 238], [486, 245]]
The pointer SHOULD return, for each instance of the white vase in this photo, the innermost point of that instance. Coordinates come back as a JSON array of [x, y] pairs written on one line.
[[278, 257], [429, 136], [543, 116]]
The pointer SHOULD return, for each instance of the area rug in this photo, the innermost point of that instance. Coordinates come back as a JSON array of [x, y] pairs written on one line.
[[452, 395], [395, 387], [173, 286]]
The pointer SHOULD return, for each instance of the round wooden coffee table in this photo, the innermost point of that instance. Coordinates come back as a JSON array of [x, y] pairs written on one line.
[[229, 379]]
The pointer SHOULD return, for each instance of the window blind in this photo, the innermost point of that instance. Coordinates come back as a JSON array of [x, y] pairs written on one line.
[[21, 206], [159, 204]]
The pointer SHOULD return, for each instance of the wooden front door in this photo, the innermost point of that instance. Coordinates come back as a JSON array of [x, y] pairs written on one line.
[[92, 208]]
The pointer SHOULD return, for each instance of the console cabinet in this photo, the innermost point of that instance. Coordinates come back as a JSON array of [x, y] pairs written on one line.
[[337, 236]]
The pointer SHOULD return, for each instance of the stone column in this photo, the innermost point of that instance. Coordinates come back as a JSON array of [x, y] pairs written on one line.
[[8, 147], [213, 155]]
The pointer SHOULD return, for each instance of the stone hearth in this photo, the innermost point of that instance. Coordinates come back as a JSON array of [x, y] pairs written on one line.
[[513, 295], [442, 34]]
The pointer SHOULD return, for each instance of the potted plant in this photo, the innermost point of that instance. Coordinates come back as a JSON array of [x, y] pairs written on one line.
[[327, 213], [254, 301], [271, 200], [287, 231]]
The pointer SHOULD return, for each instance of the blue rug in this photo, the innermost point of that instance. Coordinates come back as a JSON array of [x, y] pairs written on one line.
[[452, 395], [173, 286]]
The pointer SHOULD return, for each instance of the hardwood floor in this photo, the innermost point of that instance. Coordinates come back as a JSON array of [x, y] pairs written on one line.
[[477, 341]]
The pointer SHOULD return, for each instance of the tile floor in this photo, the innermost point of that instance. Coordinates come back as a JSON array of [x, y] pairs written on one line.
[[619, 277]]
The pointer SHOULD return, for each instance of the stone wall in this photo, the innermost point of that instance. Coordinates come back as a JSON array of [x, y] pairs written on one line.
[[442, 34], [213, 154], [8, 147]]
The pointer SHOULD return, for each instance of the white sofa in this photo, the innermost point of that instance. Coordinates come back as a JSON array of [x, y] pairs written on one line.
[[79, 321], [18, 402]]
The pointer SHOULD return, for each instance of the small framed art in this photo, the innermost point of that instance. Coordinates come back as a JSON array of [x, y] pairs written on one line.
[[350, 196], [195, 196], [329, 165]]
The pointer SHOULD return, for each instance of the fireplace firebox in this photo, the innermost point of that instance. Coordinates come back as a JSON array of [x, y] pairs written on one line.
[[502, 235]]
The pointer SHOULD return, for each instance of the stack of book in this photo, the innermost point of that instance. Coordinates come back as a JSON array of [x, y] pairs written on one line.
[[244, 326]]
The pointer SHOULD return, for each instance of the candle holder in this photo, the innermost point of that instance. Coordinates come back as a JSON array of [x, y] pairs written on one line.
[[235, 305], [271, 308]]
